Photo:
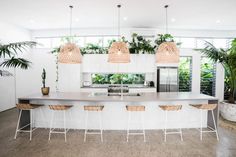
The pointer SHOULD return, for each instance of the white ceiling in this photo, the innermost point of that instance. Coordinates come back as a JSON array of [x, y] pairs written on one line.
[[188, 14]]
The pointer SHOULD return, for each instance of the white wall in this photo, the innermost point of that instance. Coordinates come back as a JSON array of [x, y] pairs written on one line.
[[10, 33], [128, 31]]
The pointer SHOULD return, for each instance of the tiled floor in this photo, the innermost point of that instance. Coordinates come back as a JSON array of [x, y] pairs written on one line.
[[114, 144]]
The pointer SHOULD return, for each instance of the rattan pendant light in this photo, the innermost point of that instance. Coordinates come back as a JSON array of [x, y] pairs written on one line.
[[70, 52], [119, 51], [167, 52]]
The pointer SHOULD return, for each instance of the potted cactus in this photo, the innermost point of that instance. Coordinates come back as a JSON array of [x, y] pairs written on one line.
[[44, 89]]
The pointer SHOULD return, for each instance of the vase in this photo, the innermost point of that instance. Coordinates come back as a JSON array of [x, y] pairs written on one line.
[[228, 111], [45, 90]]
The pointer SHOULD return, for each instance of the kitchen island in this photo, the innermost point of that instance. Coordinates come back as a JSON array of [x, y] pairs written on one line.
[[115, 115]]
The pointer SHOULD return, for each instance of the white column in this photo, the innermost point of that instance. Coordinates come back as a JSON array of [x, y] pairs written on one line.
[[196, 72], [220, 75]]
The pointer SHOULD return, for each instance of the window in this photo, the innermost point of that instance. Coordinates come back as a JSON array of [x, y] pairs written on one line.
[[43, 42], [108, 40], [185, 74], [220, 43], [229, 42], [116, 78], [80, 41], [208, 76], [94, 40], [188, 43], [56, 42], [201, 42]]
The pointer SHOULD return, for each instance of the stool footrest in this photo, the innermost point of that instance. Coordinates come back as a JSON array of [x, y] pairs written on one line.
[[26, 130], [63, 131], [136, 133], [179, 132], [93, 133], [58, 132]]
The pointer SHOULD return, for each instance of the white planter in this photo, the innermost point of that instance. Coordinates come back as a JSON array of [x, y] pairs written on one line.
[[228, 111]]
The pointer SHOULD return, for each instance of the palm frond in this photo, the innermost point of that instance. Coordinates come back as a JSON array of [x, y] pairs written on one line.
[[16, 62], [216, 55], [13, 48]]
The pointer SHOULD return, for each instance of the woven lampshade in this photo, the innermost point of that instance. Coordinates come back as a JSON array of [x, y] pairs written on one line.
[[118, 53], [167, 52], [70, 54]]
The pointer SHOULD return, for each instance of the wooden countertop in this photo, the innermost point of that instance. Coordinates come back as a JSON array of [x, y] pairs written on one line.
[[153, 96]]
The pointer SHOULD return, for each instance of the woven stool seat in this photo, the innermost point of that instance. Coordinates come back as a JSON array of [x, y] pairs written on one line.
[[27, 106], [171, 107], [94, 108], [135, 108], [59, 107], [204, 106]]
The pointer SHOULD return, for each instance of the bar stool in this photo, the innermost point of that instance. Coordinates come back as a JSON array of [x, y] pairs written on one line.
[[30, 108], [62, 109], [207, 107], [168, 108], [140, 109], [93, 108]]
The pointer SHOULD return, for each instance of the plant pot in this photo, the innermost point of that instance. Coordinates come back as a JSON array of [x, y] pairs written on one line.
[[228, 111], [45, 90]]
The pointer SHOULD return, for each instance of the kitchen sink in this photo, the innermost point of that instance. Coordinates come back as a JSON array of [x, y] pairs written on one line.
[[124, 94]]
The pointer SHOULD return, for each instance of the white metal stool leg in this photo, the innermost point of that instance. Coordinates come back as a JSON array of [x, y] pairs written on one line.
[[31, 120], [51, 124], [86, 126], [135, 133], [99, 113], [127, 136], [100, 123], [179, 130], [65, 130], [18, 123], [142, 121], [165, 126], [201, 125], [211, 129], [213, 117]]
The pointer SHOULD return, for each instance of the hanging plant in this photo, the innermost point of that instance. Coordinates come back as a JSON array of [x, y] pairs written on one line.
[[55, 51], [139, 44], [93, 49], [161, 38]]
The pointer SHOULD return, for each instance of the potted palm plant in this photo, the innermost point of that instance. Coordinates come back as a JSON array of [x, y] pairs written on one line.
[[227, 57]]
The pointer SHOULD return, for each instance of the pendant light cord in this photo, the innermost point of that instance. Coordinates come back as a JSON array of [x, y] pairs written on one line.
[[166, 6], [119, 6], [71, 7]]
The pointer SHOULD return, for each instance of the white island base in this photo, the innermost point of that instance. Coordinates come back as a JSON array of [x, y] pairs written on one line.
[[114, 114]]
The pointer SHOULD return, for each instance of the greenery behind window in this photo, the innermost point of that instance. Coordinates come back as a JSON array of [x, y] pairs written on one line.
[[207, 76], [116, 78], [185, 74]]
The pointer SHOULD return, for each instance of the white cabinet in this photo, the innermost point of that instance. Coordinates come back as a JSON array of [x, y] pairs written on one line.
[[97, 63], [131, 90], [142, 90]]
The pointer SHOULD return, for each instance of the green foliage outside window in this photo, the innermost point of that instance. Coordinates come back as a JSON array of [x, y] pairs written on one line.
[[207, 76], [185, 74], [117, 78]]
